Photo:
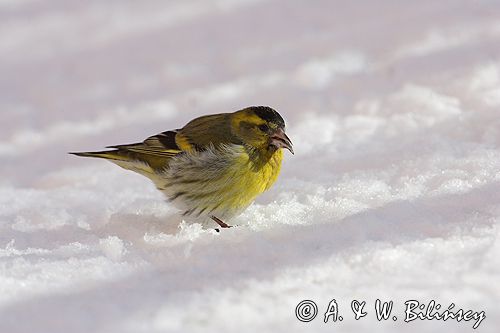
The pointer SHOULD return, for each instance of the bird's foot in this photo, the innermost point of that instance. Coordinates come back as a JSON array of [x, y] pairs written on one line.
[[221, 223]]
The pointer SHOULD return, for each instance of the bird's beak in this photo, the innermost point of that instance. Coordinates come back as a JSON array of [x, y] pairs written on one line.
[[281, 140]]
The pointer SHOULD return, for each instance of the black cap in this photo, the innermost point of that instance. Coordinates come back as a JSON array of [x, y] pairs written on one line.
[[269, 114]]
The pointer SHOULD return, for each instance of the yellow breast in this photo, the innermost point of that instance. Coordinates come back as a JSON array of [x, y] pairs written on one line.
[[220, 182], [253, 176]]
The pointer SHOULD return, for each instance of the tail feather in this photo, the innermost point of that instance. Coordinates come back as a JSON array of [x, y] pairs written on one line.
[[108, 155], [144, 164]]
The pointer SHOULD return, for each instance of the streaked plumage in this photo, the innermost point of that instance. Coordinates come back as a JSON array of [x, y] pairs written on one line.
[[215, 166]]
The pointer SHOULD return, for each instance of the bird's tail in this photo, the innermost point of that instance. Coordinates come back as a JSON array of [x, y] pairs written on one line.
[[124, 159], [114, 155]]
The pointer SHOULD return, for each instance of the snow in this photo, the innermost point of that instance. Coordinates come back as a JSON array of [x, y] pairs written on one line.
[[392, 193]]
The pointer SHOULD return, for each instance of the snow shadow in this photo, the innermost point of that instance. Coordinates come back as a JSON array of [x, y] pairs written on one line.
[[226, 260]]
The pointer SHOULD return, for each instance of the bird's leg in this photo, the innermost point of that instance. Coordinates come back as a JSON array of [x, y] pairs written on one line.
[[220, 222]]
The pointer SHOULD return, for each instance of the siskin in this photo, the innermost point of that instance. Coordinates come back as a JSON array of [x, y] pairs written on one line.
[[215, 166]]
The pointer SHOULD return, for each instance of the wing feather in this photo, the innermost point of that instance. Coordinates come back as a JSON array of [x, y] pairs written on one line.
[[197, 135], [160, 145]]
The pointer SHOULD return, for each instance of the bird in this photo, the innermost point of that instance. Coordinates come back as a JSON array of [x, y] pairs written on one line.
[[215, 166]]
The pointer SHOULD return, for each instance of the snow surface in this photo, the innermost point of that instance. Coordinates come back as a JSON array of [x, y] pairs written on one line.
[[393, 192]]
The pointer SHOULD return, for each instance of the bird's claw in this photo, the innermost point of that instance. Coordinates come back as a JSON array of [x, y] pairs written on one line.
[[221, 223]]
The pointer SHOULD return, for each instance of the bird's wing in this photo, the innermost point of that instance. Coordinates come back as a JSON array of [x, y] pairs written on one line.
[[203, 132], [197, 135], [155, 153], [160, 145]]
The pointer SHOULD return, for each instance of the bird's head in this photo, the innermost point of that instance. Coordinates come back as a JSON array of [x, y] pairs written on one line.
[[261, 127]]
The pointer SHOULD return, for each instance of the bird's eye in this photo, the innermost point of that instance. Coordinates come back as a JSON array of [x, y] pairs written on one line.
[[264, 127]]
